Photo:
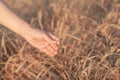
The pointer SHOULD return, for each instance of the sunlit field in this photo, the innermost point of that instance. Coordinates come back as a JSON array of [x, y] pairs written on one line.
[[89, 33]]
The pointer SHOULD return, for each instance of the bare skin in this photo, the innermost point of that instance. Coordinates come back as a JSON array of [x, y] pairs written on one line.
[[45, 42]]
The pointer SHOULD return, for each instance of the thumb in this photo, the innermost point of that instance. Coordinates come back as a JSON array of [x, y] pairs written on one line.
[[55, 38], [48, 38]]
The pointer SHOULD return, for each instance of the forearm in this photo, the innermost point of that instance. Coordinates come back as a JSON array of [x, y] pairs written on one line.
[[13, 22]]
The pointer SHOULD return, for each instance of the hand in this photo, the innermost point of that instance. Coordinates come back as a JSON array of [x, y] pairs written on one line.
[[45, 42]]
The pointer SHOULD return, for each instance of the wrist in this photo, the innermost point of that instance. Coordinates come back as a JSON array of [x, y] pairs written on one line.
[[26, 31]]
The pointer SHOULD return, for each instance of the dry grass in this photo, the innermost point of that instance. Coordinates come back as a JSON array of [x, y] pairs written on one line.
[[89, 31]]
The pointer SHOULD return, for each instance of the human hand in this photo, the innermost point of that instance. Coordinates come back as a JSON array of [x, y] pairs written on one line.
[[44, 41]]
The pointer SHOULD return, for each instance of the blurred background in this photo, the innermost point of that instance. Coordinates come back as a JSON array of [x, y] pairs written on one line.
[[89, 32], [95, 9]]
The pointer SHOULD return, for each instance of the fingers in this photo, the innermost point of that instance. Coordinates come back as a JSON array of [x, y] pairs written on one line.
[[51, 44], [49, 51], [48, 47], [48, 39], [54, 38], [54, 46], [42, 44], [51, 38]]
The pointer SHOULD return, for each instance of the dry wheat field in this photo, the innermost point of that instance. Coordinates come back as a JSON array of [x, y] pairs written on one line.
[[89, 33]]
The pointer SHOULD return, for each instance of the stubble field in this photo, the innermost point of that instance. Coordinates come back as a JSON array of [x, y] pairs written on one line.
[[89, 33]]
